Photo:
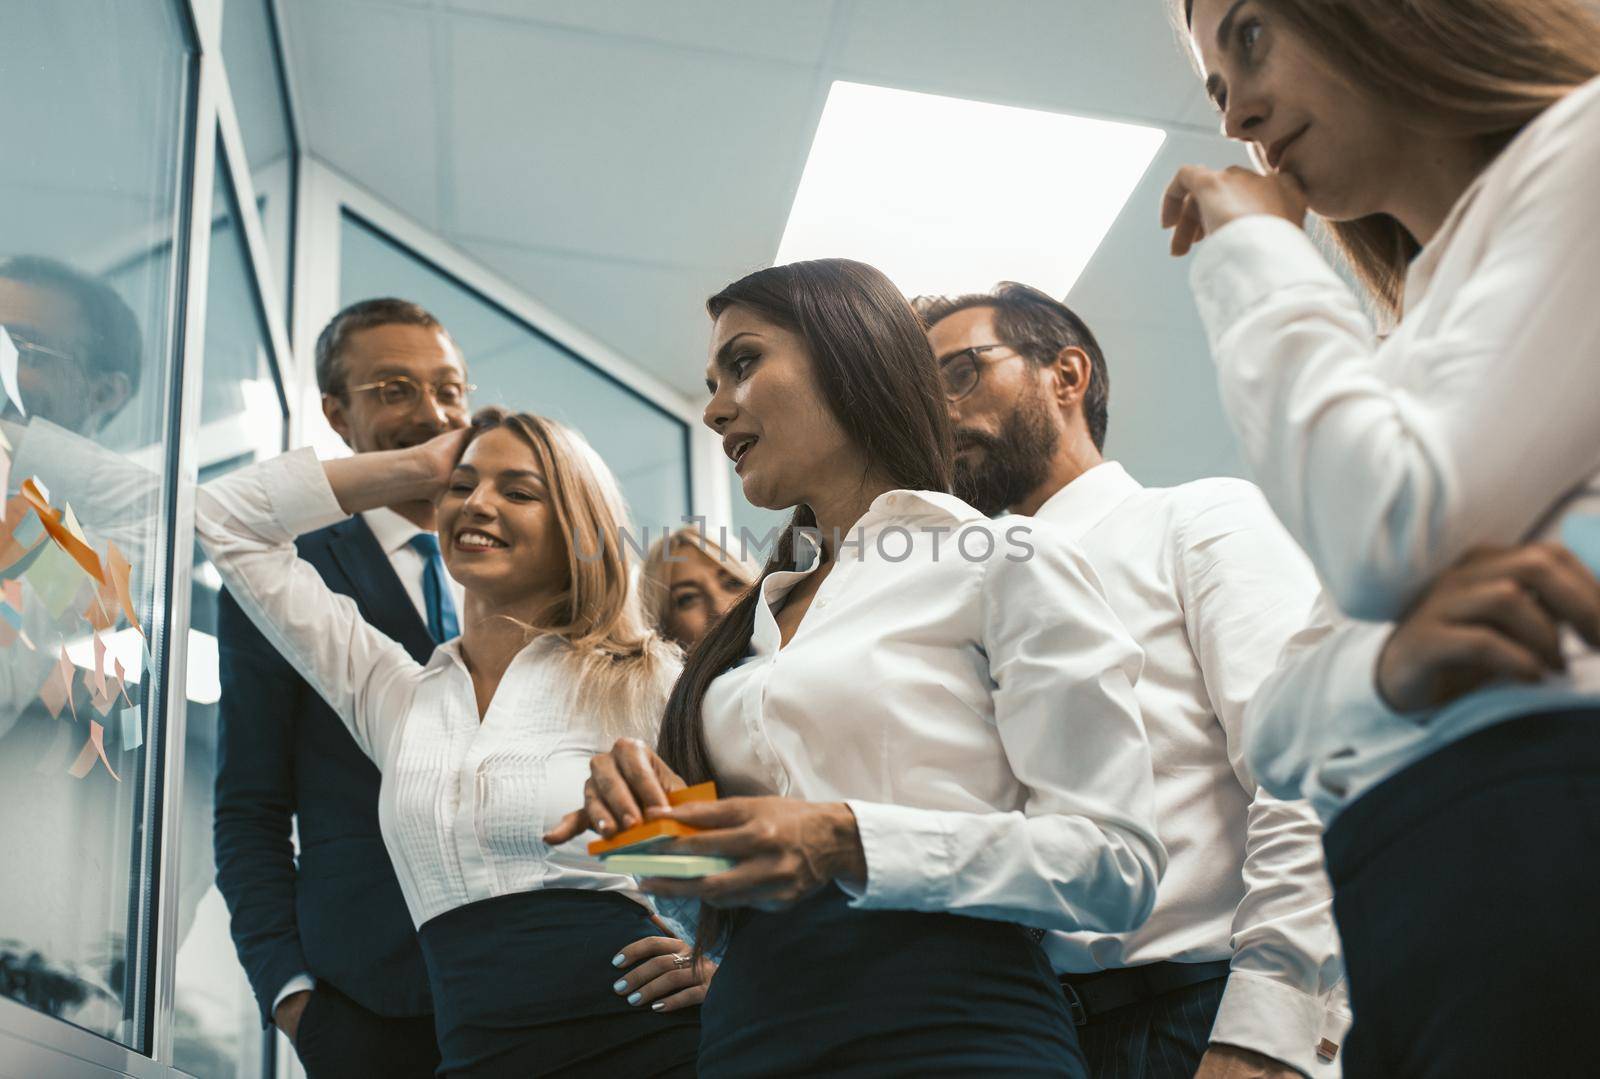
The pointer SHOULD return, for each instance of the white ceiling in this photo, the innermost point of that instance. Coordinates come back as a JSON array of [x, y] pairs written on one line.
[[622, 159]]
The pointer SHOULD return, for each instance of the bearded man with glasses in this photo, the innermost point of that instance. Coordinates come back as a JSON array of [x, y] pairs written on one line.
[[327, 943], [1237, 971]]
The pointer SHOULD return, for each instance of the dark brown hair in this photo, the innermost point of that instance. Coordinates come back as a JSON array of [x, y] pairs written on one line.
[[363, 315], [1038, 326], [876, 371], [1476, 68]]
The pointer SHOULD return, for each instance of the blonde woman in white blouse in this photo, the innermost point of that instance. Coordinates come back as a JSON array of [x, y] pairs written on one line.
[[919, 754], [1453, 148], [485, 746]]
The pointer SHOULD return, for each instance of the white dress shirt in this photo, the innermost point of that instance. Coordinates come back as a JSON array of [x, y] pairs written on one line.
[[990, 748], [1211, 588], [393, 533], [463, 803], [1475, 422]]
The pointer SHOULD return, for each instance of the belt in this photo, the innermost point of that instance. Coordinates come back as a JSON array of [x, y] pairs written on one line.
[[1090, 996]]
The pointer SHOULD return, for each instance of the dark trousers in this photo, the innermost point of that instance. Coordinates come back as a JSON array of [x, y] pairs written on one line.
[[1160, 1038], [339, 1039], [1467, 892]]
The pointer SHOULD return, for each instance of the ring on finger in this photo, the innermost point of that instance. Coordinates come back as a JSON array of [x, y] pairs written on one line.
[[682, 962]]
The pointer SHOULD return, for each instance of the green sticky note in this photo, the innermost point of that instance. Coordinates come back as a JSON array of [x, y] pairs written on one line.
[[55, 578], [667, 865]]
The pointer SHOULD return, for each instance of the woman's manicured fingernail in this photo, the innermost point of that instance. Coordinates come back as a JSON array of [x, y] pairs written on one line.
[[617, 960], [658, 1005], [619, 985], [602, 826], [634, 998]]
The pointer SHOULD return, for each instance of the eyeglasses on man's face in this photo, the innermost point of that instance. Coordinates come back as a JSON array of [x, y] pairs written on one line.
[[402, 392], [963, 370], [32, 353]]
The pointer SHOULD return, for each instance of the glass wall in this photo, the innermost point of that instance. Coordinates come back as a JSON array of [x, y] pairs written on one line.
[[515, 365], [97, 99], [217, 1027]]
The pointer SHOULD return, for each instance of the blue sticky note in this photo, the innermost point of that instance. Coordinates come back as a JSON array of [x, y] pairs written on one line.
[[132, 723], [29, 531], [1581, 534]]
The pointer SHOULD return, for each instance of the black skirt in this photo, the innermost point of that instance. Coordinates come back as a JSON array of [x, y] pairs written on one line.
[[522, 987], [1466, 888], [824, 989]]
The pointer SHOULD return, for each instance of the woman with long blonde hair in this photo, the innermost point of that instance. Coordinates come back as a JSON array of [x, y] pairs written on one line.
[[688, 581], [1441, 474], [483, 748]]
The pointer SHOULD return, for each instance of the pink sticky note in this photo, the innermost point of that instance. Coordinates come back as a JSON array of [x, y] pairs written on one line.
[[94, 749], [57, 690], [99, 665]]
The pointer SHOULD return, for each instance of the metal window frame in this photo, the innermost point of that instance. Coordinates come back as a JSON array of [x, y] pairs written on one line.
[[32, 1044]]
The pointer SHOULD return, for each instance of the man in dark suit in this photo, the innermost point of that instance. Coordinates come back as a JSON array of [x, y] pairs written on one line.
[[328, 944]]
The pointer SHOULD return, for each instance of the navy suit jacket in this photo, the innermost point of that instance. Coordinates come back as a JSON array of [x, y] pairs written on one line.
[[281, 752]]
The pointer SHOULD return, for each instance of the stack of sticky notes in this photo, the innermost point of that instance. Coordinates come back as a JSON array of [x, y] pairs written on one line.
[[633, 850]]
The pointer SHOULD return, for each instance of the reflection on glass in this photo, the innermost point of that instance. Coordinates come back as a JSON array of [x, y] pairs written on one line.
[[94, 96], [217, 1027], [250, 52], [517, 367]]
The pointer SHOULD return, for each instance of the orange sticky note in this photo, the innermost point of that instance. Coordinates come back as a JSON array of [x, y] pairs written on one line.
[[74, 545], [93, 749], [654, 830], [101, 614], [117, 570]]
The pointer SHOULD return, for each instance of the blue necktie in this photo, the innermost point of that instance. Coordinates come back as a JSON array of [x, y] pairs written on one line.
[[442, 624]]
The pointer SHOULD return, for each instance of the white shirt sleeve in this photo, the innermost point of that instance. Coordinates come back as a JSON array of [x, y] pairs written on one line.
[[1246, 590], [1083, 851], [1388, 463], [247, 522], [300, 983], [1327, 670]]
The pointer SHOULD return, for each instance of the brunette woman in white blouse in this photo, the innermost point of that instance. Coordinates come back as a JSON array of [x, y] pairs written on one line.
[[918, 754], [1453, 149], [485, 746]]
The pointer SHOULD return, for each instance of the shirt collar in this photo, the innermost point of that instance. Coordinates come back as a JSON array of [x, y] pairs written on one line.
[[391, 530], [1089, 499]]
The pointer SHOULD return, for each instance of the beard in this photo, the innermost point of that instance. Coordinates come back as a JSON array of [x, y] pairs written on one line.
[[1002, 470]]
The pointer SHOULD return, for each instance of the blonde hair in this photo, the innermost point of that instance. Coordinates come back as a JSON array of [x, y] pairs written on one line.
[[655, 575], [623, 668], [1481, 69]]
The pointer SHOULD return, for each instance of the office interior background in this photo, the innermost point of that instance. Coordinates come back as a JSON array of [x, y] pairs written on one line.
[[562, 182]]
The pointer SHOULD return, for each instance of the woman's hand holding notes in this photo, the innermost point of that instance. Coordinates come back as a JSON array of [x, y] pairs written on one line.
[[780, 849]]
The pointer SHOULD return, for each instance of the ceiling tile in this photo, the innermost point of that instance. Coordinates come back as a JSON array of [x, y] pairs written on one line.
[[1118, 60], [774, 29], [631, 151], [367, 96]]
